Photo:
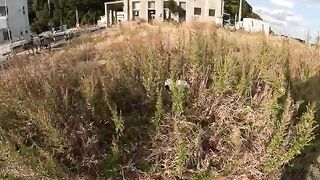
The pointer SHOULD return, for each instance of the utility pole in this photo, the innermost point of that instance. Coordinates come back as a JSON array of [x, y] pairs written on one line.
[[49, 8], [7, 16], [61, 23], [77, 19], [240, 14]]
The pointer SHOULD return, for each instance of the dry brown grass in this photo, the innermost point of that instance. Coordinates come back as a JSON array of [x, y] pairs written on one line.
[[99, 108]]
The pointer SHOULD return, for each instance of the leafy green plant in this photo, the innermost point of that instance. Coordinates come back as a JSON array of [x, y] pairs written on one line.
[[117, 119], [178, 100], [159, 113], [112, 162], [282, 148]]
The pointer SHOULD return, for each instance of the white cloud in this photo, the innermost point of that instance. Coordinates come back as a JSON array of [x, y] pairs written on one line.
[[282, 21], [279, 16], [292, 3], [283, 3], [288, 17]]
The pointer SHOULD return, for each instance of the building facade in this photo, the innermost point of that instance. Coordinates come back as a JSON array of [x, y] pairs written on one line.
[[160, 10], [14, 20]]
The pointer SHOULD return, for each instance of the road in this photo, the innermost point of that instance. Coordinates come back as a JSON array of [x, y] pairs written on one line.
[[5, 49]]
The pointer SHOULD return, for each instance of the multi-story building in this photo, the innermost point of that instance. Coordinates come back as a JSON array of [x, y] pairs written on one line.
[[14, 20], [150, 10]]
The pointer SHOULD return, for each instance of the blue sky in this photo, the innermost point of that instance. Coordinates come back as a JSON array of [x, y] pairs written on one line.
[[290, 17]]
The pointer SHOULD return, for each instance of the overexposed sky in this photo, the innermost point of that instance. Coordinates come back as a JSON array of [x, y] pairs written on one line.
[[290, 17]]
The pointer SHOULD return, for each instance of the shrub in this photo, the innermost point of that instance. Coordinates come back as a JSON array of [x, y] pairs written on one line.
[[98, 108]]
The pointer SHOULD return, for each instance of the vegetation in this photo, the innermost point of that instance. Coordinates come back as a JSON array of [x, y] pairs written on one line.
[[63, 12], [99, 107], [232, 7]]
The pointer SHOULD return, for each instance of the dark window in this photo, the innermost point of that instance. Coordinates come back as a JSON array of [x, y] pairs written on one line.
[[151, 10], [182, 11], [26, 32], [212, 12], [21, 33], [5, 35], [3, 11], [136, 10], [24, 11], [136, 13], [197, 11], [183, 5]]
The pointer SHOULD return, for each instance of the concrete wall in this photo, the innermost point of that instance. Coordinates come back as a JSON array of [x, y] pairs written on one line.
[[18, 19], [205, 5], [254, 25]]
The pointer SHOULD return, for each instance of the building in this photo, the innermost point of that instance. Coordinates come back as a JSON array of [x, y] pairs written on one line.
[[150, 10], [14, 20], [255, 25]]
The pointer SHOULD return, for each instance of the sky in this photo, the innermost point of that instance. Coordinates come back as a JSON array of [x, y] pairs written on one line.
[[294, 18]]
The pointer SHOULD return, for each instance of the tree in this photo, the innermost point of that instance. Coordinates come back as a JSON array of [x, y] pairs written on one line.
[[232, 7], [63, 12], [41, 21], [172, 6]]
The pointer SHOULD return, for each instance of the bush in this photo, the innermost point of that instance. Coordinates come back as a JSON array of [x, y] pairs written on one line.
[[99, 108]]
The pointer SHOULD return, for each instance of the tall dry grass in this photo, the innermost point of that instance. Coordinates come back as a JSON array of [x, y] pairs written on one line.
[[99, 108]]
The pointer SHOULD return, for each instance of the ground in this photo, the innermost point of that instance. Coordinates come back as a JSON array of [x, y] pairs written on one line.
[[98, 108]]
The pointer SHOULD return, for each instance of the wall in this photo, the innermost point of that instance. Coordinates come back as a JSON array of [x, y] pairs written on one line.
[[205, 5], [17, 20], [3, 22], [254, 25]]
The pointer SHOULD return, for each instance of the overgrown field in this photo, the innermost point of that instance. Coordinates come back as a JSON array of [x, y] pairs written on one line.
[[99, 108]]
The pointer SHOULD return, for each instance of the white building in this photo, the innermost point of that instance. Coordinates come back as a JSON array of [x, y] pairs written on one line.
[[14, 20], [150, 10], [255, 25]]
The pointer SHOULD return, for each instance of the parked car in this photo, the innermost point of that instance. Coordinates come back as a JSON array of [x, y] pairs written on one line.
[[71, 33], [46, 38], [226, 20]]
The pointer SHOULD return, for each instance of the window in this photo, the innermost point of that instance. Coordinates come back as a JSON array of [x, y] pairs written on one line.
[[151, 5], [136, 5], [3, 11], [183, 5], [212, 12], [135, 10], [151, 11], [21, 33], [26, 32], [23, 10], [182, 11], [197, 11], [5, 34]]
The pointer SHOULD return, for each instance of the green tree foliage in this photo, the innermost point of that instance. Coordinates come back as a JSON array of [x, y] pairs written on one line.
[[232, 7], [63, 12]]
